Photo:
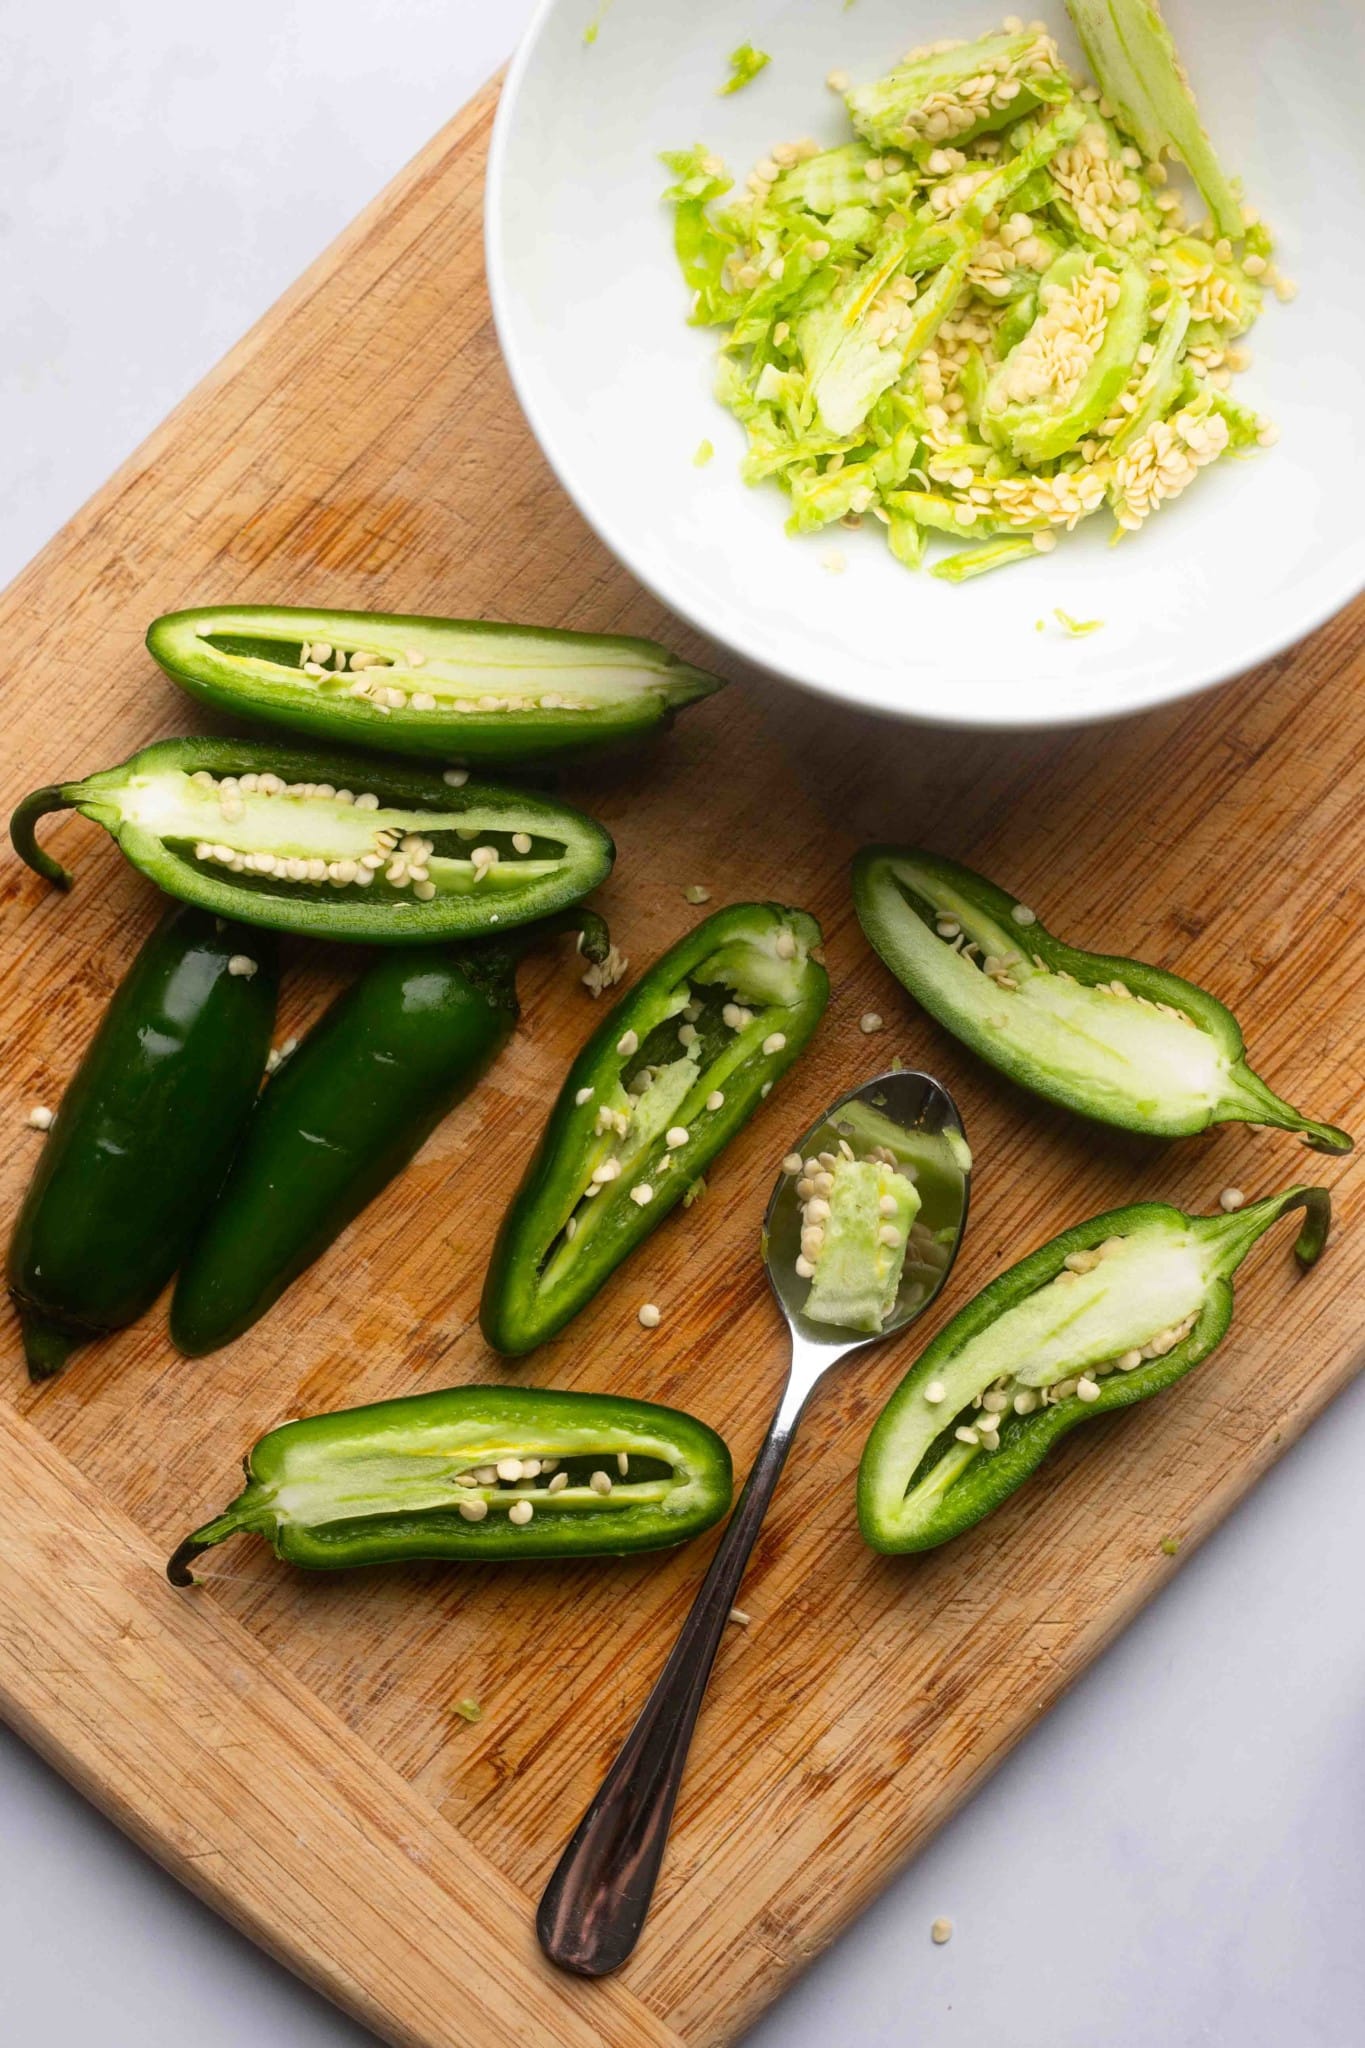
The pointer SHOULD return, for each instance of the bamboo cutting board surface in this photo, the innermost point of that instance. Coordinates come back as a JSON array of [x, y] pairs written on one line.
[[287, 1745]]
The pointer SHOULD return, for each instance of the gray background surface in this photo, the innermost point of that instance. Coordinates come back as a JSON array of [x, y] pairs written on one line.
[[1175, 1856]]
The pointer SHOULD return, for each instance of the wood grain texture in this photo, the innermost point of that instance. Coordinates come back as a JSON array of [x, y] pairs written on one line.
[[286, 1744]]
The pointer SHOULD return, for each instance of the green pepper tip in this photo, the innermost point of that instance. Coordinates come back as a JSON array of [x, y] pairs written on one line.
[[47, 1345]]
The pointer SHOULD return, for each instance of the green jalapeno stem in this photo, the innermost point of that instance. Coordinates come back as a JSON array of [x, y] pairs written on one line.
[[1104, 1316], [23, 832]]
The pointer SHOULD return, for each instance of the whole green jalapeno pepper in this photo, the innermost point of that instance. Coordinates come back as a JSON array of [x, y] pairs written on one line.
[[1114, 1039], [335, 846], [458, 689], [143, 1134], [666, 1080], [344, 1113], [1105, 1315], [472, 1475]]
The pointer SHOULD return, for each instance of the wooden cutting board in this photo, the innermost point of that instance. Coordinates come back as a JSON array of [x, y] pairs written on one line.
[[287, 1745]]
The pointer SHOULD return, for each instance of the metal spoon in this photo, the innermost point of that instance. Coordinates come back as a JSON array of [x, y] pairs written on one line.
[[595, 1904]]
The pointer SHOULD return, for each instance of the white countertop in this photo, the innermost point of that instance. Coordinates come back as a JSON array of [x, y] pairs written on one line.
[[1175, 1856]]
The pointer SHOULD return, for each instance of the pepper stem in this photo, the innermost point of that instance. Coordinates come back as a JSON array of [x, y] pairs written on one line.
[[227, 1524], [1237, 1233], [23, 831], [492, 964], [594, 940], [1257, 1103], [47, 1345]]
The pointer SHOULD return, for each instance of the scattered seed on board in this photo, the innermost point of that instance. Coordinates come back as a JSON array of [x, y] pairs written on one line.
[[869, 1022], [39, 1118], [941, 1931], [739, 1617], [694, 893], [1230, 1199], [650, 1316]]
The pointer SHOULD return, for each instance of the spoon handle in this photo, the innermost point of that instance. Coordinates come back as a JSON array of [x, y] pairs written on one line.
[[595, 1905]]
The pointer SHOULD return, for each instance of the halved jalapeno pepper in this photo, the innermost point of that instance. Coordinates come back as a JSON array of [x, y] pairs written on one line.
[[1105, 1315], [336, 846], [144, 1133], [475, 1474], [1114, 1039], [458, 689], [665, 1081], [344, 1113]]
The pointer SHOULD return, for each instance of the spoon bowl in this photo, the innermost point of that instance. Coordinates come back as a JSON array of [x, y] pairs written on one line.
[[595, 1904], [916, 1118]]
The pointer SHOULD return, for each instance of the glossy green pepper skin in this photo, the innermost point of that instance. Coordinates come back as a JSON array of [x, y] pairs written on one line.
[[453, 689], [143, 1135], [382, 1485], [319, 849], [702, 1036], [1071, 1332], [1113, 1039], [345, 1113]]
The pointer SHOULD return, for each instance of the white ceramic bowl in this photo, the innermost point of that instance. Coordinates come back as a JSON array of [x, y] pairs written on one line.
[[591, 312]]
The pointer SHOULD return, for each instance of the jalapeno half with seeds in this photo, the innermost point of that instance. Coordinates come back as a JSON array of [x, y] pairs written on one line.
[[345, 1113], [335, 846], [665, 1081], [458, 689], [143, 1135], [1114, 1039], [472, 1475], [1103, 1316]]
